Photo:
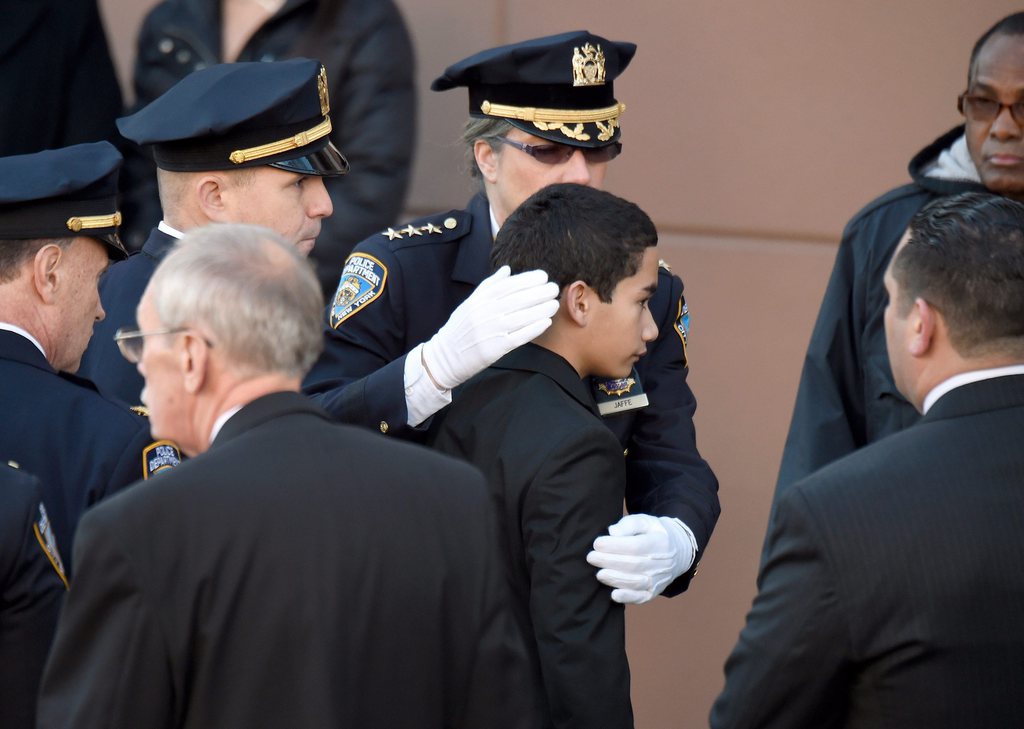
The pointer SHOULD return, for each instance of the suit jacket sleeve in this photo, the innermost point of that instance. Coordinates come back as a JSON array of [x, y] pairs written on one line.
[[109, 666], [791, 665], [360, 377], [666, 475], [579, 630]]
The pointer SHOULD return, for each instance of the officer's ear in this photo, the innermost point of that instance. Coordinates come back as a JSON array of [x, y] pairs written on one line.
[[211, 194], [47, 272], [486, 159]]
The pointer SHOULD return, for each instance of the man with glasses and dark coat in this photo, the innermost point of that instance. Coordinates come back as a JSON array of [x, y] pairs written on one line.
[[847, 397], [416, 313]]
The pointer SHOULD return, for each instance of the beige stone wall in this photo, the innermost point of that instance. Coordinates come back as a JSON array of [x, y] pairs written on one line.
[[753, 131]]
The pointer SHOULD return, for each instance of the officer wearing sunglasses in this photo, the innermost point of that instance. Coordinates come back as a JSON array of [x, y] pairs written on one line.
[[416, 312]]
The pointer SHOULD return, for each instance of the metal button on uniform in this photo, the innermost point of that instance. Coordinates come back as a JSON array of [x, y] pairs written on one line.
[[450, 223], [384, 426], [166, 45], [183, 56]]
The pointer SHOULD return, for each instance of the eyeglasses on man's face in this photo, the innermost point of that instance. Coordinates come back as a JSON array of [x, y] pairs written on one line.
[[985, 109], [556, 154], [130, 341]]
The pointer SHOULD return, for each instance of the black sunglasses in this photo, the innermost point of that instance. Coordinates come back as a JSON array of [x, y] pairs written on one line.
[[556, 154]]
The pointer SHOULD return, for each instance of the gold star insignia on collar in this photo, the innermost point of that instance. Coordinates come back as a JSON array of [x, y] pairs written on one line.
[[409, 230], [431, 228], [391, 233]]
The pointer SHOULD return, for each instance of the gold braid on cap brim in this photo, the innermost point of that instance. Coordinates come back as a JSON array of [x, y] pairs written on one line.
[[85, 222], [606, 119], [271, 148]]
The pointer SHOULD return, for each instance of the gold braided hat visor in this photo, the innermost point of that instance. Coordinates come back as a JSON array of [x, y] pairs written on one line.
[[79, 223], [296, 141], [553, 116], [569, 122]]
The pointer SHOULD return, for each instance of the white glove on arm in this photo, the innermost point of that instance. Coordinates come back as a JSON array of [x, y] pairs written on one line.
[[642, 555], [504, 312]]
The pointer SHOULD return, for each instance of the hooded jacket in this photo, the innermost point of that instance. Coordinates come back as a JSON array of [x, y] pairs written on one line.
[[847, 397]]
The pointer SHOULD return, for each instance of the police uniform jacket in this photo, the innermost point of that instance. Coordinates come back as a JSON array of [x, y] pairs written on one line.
[[120, 292], [300, 573], [412, 278], [894, 582], [557, 476], [56, 426], [847, 397], [31, 587]]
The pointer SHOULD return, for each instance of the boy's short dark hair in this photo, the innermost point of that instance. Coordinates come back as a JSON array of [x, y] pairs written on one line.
[[576, 233]]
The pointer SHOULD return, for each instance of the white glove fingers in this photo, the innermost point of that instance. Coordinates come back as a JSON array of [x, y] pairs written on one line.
[[631, 597], [633, 524], [641, 544], [525, 317], [624, 580]]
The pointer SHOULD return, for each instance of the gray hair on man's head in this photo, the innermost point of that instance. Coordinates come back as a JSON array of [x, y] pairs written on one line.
[[250, 291]]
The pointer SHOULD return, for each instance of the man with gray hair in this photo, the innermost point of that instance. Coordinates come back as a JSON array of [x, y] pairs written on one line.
[[287, 537]]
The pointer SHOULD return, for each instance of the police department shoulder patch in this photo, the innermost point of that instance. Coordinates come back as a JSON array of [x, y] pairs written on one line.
[[362, 281], [682, 326], [159, 456], [44, 535]]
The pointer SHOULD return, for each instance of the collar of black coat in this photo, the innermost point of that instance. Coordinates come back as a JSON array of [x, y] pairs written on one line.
[[265, 409], [17, 348], [996, 393], [534, 358]]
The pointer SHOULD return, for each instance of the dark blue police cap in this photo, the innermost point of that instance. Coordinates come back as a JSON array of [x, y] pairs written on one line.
[[558, 87], [236, 115], [62, 193]]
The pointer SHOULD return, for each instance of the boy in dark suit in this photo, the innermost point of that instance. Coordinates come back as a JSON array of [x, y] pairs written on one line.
[[556, 473]]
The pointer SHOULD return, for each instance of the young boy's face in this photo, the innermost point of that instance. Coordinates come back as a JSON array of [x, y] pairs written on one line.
[[621, 329]]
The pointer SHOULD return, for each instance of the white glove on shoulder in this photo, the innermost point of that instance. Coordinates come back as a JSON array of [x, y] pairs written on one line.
[[504, 312], [642, 555]]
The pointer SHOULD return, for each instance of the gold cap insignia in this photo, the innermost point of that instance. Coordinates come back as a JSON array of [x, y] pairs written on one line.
[[325, 99], [588, 66], [84, 222]]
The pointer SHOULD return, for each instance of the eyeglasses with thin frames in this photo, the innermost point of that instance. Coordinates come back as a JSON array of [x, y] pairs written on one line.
[[130, 341], [983, 109], [556, 154]]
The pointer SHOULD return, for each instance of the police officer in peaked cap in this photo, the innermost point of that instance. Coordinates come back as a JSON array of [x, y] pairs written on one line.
[[58, 230], [233, 143], [416, 313]]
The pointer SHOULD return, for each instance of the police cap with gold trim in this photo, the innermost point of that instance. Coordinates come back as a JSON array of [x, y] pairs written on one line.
[[62, 193], [237, 115], [558, 87]]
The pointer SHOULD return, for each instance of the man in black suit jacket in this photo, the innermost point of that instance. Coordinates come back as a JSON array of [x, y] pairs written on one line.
[[893, 585], [557, 473], [269, 583]]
